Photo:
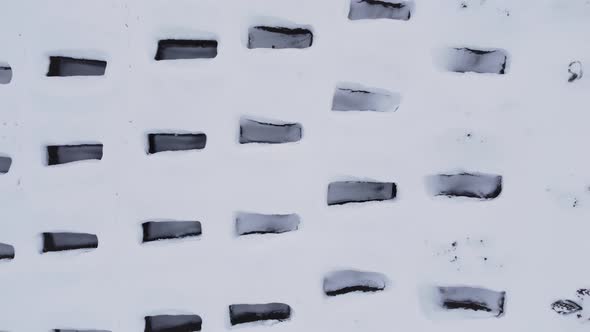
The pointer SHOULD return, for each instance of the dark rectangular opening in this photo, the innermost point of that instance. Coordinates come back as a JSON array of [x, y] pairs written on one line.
[[5, 163], [354, 97], [5, 74], [472, 185], [173, 323], [252, 131], [66, 66], [6, 251], [472, 298], [463, 60], [75, 330], [343, 192], [63, 154], [247, 313], [62, 241], [175, 49], [165, 230], [256, 223], [279, 37], [348, 281], [160, 142], [375, 9]]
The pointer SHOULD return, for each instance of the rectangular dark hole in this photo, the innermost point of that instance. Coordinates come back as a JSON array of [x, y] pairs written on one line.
[[279, 37], [160, 142], [343, 192], [472, 298], [173, 323], [375, 9], [252, 131], [347, 281], [256, 223], [74, 330], [247, 313], [472, 185], [5, 163], [353, 97], [6, 251], [5, 74], [462, 60], [66, 66], [61, 241], [174, 49], [63, 154], [162, 230]]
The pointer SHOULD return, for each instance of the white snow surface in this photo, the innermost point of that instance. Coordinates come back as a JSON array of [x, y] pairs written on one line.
[[530, 126]]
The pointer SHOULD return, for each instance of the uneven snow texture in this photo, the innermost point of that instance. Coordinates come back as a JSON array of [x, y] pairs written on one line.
[[529, 125]]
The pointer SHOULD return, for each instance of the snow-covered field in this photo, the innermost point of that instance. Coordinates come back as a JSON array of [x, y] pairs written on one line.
[[530, 126]]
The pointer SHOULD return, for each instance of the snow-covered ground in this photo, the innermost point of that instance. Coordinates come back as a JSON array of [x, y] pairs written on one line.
[[530, 126]]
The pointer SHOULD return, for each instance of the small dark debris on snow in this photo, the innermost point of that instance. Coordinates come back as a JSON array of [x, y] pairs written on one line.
[[575, 70], [582, 293], [565, 307]]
